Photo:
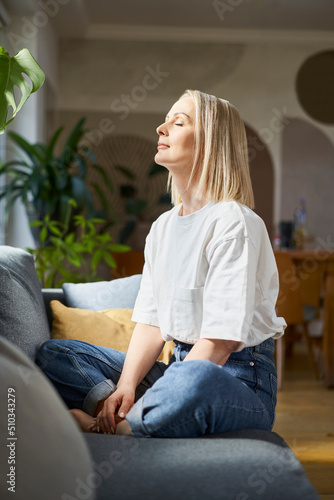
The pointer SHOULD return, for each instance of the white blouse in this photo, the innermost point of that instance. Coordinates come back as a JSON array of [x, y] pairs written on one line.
[[211, 274]]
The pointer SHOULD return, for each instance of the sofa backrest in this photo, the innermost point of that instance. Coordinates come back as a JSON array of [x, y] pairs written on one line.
[[23, 319], [43, 454]]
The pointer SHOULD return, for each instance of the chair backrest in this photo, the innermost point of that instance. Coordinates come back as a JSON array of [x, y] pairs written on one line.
[[289, 302]]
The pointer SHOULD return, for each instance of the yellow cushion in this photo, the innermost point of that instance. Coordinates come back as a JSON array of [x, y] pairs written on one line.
[[109, 328]]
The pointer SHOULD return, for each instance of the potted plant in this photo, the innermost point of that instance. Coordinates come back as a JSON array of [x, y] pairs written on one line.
[[47, 181], [74, 256]]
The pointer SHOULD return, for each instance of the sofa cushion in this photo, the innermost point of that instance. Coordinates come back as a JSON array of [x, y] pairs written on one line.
[[118, 293], [48, 455], [238, 465], [23, 319], [109, 328]]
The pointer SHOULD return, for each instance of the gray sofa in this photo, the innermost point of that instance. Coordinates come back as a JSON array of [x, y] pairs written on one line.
[[52, 459]]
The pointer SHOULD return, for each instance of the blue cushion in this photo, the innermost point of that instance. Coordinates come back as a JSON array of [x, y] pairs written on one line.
[[116, 294]]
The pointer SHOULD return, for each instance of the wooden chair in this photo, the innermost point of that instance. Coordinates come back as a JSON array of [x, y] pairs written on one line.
[[290, 306]]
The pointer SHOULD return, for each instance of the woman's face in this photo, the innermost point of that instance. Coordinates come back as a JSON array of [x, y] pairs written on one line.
[[176, 144]]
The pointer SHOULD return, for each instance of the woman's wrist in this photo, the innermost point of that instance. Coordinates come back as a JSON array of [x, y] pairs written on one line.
[[129, 385], [215, 350], [145, 346]]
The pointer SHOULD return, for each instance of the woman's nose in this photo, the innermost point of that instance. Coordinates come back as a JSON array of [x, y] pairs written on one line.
[[162, 130]]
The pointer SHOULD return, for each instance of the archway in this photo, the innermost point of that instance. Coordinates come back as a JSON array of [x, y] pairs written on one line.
[[262, 175]]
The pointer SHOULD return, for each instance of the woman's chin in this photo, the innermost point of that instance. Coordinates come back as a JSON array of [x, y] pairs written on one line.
[[158, 159]]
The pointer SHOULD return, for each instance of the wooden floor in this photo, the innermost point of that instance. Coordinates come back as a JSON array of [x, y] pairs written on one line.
[[305, 419]]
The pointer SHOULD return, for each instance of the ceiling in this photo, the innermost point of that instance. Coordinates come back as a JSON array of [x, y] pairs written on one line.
[[79, 18], [242, 14]]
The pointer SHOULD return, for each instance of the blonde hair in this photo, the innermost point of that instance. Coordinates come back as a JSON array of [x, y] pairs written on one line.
[[220, 165]]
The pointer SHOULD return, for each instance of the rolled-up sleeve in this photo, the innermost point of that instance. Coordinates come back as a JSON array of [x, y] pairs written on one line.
[[229, 291]]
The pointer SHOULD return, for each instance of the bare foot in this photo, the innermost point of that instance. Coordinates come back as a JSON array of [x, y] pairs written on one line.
[[83, 419], [123, 428]]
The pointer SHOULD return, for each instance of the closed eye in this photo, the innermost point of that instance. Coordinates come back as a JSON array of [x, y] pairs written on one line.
[[179, 124]]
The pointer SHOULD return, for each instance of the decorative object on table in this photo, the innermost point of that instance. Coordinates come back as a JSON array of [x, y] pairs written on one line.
[[11, 76], [276, 238], [72, 255], [286, 234], [300, 228], [46, 182]]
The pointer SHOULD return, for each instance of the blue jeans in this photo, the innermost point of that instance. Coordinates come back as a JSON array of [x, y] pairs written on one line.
[[176, 400]]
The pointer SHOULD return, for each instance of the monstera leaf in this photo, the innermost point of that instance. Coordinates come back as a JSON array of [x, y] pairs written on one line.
[[11, 75]]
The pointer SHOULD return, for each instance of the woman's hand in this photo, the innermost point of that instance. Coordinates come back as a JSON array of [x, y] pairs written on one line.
[[114, 410], [145, 346]]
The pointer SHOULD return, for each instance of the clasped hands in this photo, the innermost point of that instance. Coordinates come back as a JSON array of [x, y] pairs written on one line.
[[114, 410]]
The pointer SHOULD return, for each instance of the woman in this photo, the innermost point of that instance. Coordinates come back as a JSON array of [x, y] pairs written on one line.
[[209, 283]]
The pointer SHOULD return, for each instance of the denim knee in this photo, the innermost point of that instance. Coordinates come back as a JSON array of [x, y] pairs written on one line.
[[50, 351], [47, 353], [187, 381]]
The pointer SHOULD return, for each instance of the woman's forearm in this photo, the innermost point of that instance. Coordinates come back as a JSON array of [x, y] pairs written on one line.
[[145, 346], [217, 351]]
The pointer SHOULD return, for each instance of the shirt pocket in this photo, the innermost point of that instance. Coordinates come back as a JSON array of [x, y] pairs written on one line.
[[188, 308]]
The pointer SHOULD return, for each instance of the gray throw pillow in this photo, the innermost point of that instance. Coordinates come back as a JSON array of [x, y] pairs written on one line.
[[42, 452], [23, 319], [120, 293]]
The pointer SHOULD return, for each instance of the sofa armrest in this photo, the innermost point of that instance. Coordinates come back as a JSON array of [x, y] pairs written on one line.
[[52, 294]]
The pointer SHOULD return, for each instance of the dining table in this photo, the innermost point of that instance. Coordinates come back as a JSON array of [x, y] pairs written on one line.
[[320, 260]]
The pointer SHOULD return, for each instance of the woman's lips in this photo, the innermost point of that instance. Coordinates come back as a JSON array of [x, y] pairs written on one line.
[[161, 145]]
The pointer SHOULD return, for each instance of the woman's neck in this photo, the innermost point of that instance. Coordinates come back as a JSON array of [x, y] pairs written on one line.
[[192, 204]]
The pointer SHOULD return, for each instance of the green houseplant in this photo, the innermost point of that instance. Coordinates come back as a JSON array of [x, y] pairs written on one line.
[[47, 181], [67, 255], [11, 75]]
